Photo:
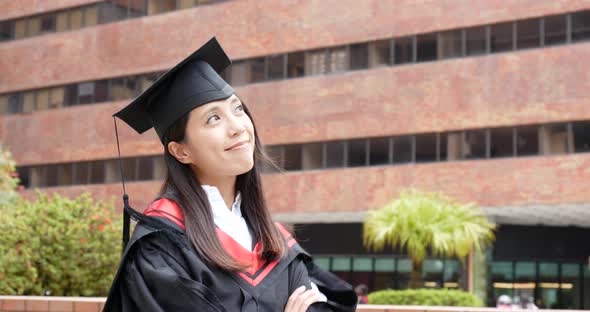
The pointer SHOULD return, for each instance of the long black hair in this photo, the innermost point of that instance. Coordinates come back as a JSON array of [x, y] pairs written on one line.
[[198, 218]]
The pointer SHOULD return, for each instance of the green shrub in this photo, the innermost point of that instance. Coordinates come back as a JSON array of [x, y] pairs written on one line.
[[69, 247], [426, 297]]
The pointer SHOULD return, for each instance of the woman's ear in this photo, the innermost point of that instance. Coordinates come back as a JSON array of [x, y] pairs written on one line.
[[180, 152]]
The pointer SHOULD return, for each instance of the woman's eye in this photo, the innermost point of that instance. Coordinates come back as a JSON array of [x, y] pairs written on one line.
[[212, 119], [240, 108]]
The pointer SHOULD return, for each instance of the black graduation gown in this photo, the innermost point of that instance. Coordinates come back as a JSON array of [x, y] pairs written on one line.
[[160, 271]]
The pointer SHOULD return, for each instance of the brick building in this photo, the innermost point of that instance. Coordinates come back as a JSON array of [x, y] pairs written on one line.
[[486, 101]]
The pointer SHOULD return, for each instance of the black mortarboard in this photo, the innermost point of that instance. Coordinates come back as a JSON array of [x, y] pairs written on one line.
[[191, 83]]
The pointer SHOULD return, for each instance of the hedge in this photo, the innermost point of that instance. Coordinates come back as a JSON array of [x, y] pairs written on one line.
[[426, 297], [58, 246]]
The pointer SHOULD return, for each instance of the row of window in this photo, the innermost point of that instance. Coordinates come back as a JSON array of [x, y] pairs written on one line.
[[552, 285], [550, 139], [99, 13], [537, 32], [379, 272]]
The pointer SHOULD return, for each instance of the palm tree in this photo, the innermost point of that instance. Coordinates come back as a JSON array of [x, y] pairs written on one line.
[[418, 222]]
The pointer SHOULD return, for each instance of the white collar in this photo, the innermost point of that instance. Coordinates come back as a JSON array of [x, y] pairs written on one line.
[[230, 222], [218, 205]]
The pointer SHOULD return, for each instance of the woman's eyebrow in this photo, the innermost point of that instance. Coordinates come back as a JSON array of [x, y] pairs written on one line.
[[213, 108]]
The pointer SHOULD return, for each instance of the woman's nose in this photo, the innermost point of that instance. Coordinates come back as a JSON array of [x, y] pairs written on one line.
[[236, 126]]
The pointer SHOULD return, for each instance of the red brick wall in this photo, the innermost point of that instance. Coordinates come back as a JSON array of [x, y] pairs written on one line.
[[535, 86], [158, 42], [511, 181], [12, 9]]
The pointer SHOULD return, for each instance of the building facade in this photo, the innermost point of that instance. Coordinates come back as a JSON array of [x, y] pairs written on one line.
[[486, 101]]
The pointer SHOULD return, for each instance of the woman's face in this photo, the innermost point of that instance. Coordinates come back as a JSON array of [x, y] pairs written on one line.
[[219, 140]]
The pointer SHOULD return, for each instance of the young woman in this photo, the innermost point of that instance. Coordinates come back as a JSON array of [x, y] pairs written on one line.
[[207, 243]]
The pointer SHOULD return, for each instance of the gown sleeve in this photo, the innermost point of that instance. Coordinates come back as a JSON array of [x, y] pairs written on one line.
[[155, 280], [339, 295]]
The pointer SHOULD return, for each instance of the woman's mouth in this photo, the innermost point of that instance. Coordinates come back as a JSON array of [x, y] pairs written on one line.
[[238, 146]]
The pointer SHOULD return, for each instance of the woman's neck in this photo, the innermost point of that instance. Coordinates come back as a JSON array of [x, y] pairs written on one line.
[[226, 187]]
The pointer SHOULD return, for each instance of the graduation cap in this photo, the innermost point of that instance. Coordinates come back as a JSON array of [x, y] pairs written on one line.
[[191, 83]]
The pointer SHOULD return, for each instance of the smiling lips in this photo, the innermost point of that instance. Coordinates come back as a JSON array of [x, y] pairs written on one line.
[[238, 145]]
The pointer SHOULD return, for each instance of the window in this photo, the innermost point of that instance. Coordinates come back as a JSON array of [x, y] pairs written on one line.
[[292, 157], [357, 153], [555, 29], [426, 147], [450, 44], [160, 168], [295, 64], [501, 37], [239, 73], [129, 169], [581, 26], [379, 151], [33, 26], [454, 145], [581, 132], [71, 95], [276, 66], [380, 53], [85, 92], [257, 70], [145, 81], [42, 99], [6, 30], [334, 154], [56, 97], [404, 50], [384, 273], [66, 174], [81, 172], [28, 102], [186, 4], [315, 62], [91, 16], [76, 17], [122, 88], [426, 47], [3, 104], [527, 141], [136, 8], [403, 149], [160, 6], [101, 91], [15, 103], [37, 178], [475, 40], [23, 176], [554, 139], [359, 56], [20, 28], [528, 33], [145, 168], [48, 23], [475, 144], [312, 156], [97, 171], [337, 60], [62, 22], [275, 153], [501, 142], [113, 10], [50, 176], [442, 147]]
